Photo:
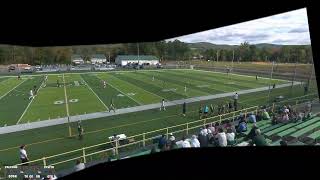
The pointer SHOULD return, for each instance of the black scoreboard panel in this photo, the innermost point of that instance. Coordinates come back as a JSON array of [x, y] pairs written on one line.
[[31, 172]]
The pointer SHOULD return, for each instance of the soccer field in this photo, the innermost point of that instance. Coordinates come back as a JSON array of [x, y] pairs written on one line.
[[85, 94]]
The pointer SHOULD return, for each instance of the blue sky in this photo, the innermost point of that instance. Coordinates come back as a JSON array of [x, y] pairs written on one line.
[[289, 28]]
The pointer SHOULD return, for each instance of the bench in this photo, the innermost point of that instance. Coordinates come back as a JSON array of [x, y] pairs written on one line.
[[270, 128], [280, 129], [313, 137], [298, 127], [300, 133]]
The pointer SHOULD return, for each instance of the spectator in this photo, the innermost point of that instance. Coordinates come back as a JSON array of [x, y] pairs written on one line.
[[204, 140], [173, 145], [162, 142], [212, 128], [185, 143], [184, 109], [259, 139], [23, 155], [230, 106], [200, 112], [285, 117], [265, 115], [79, 166], [211, 109], [206, 110], [235, 98], [242, 127], [252, 132], [230, 137], [259, 116], [171, 137], [252, 118], [194, 141], [222, 138], [283, 143]]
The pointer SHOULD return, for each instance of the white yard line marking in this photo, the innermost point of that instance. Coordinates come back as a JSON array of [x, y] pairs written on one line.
[[13, 89], [122, 92], [95, 94], [65, 95], [30, 103]]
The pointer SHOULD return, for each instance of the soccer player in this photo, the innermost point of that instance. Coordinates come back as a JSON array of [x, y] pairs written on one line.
[[185, 89], [235, 98], [305, 89], [104, 84], [162, 105], [274, 85], [112, 106], [80, 131], [152, 78], [58, 83], [31, 94], [257, 77], [19, 77], [184, 109]]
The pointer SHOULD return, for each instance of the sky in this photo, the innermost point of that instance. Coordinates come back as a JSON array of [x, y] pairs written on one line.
[[289, 28]]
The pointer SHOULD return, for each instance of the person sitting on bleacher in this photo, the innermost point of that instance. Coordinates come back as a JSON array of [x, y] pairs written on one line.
[[162, 142], [194, 142], [259, 116], [230, 137], [265, 115], [285, 117], [212, 128], [252, 118], [259, 139], [203, 139], [185, 143], [221, 138], [242, 127], [252, 133]]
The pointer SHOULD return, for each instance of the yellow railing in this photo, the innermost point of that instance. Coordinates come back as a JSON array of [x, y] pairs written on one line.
[[142, 139]]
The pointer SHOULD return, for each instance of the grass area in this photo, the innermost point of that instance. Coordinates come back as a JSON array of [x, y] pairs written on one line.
[[43, 107], [7, 84], [127, 89], [14, 103]]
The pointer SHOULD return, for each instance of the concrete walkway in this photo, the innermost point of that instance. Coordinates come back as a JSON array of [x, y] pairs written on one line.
[[52, 122]]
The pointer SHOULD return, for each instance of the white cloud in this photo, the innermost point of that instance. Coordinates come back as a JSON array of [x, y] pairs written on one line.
[[287, 28]]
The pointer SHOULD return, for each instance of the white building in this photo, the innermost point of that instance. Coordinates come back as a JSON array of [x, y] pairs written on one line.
[[123, 60], [77, 59], [98, 59]]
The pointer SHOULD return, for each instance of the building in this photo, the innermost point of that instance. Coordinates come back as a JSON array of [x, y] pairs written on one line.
[[123, 60], [77, 59], [98, 59]]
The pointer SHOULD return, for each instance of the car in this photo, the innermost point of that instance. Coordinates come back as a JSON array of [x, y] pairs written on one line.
[[38, 68], [27, 68], [11, 68]]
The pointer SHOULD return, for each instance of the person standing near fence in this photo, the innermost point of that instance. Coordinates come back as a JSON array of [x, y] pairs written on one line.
[[235, 98], [162, 107], [23, 155], [80, 131], [184, 109]]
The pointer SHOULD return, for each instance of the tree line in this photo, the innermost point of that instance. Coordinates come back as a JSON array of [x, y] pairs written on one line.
[[165, 50]]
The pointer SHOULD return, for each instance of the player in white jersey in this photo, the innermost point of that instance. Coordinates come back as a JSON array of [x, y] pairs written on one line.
[[104, 84], [185, 89], [162, 105], [152, 78], [31, 94]]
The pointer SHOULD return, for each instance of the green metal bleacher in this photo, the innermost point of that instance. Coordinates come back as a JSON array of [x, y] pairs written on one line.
[[279, 129], [300, 133], [313, 137], [297, 127]]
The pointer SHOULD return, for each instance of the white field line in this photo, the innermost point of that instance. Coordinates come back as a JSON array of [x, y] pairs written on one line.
[[122, 92], [13, 89], [30, 103], [95, 94]]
